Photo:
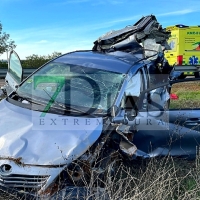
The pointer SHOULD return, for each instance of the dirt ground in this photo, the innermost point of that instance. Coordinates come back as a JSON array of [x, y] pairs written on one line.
[[186, 87]]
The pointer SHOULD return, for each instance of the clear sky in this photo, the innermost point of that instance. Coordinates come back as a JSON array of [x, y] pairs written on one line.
[[44, 26]]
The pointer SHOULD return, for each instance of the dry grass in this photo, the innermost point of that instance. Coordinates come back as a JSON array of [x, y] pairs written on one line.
[[155, 179]]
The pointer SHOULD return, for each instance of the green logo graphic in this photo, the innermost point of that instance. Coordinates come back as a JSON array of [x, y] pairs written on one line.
[[59, 80]]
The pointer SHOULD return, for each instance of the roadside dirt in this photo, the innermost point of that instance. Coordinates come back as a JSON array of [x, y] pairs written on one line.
[[186, 87]]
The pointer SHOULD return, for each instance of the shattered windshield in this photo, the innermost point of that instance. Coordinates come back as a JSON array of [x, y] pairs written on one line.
[[73, 85]]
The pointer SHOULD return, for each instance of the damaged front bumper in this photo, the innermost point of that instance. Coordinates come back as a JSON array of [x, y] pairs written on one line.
[[27, 179]]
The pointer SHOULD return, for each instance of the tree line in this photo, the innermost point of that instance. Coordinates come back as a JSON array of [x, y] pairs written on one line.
[[34, 61]]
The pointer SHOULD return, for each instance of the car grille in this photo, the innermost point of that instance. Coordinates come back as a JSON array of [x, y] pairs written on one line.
[[23, 181]]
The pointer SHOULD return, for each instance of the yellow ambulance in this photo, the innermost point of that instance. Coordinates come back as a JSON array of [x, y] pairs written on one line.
[[185, 47]]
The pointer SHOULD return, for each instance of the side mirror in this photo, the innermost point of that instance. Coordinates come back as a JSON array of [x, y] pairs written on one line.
[[120, 118], [131, 114]]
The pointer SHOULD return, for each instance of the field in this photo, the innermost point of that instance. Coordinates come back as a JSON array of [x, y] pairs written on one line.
[[188, 95]]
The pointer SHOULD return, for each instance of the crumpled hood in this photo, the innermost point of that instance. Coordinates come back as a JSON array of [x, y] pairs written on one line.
[[49, 140]]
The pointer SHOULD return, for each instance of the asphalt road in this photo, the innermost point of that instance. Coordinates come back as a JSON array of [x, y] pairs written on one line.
[[2, 81]]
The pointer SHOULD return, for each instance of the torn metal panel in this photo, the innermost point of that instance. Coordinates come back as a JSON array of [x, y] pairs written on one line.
[[152, 49], [128, 39], [126, 144], [128, 148]]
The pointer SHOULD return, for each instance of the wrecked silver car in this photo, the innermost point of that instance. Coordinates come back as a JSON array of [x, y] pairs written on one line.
[[83, 111], [62, 113]]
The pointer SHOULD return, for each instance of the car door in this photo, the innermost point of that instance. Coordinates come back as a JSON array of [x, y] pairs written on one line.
[[14, 75], [170, 126], [152, 121], [184, 116]]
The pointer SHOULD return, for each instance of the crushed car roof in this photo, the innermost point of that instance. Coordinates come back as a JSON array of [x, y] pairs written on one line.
[[116, 62]]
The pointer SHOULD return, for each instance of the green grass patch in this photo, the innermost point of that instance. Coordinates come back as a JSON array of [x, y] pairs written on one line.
[[188, 95]]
